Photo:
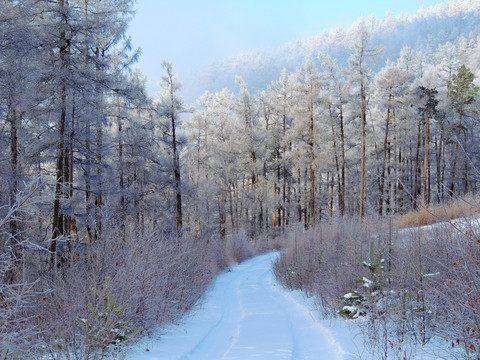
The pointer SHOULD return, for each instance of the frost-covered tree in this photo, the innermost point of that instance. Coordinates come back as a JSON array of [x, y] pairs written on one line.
[[337, 96], [461, 92], [360, 77], [20, 93], [200, 130], [307, 86], [393, 96], [280, 102], [429, 110], [169, 107]]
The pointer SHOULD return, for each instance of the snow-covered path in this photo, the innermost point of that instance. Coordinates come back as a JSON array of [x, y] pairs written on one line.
[[246, 314]]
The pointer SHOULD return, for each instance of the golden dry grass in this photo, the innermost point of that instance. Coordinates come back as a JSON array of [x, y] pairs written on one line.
[[436, 213]]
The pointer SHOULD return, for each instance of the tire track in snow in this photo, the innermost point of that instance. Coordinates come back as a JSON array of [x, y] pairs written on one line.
[[239, 325], [304, 325], [227, 313], [260, 304]]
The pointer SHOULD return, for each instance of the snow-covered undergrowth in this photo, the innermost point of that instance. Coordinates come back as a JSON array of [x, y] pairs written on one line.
[[127, 289], [121, 289], [103, 297], [414, 292]]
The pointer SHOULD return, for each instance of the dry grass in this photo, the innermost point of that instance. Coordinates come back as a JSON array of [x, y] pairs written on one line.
[[431, 214]]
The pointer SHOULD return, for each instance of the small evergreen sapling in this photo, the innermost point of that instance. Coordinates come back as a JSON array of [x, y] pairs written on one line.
[[358, 301], [105, 325]]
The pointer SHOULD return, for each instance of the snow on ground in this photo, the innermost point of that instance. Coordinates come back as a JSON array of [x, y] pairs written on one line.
[[247, 314]]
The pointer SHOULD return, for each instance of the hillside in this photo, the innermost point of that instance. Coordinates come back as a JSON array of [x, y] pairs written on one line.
[[427, 29]]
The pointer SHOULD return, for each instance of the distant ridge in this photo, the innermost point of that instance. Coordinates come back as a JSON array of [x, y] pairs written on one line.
[[425, 30]]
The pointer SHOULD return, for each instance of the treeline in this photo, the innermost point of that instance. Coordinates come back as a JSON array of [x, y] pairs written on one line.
[[321, 142]]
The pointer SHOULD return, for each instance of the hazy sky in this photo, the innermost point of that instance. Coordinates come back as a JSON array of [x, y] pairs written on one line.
[[190, 33]]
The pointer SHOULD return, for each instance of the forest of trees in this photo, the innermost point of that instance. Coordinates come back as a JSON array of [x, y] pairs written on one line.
[[95, 173], [328, 141]]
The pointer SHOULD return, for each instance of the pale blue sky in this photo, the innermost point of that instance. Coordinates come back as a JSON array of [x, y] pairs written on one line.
[[190, 33]]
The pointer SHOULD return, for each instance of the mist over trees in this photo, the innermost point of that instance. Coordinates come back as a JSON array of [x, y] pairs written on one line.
[[109, 196], [427, 29]]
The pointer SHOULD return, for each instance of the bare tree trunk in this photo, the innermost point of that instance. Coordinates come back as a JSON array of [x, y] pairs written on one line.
[[284, 169], [337, 166], [396, 177], [384, 161], [330, 188], [178, 191], [57, 224], [88, 181], [342, 163], [417, 187], [222, 218], [279, 210], [69, 220], [362, 156], [121, 180], [452, 173], [425, 162], [466, 180], [401, 186], [388, 190], [455, 158], [98, 144], [299, 195], [12, 274], [439, 158], [305, 191], [312, 210], [233, 213]]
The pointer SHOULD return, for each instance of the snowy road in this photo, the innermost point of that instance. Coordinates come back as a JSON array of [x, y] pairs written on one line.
[[246, 314]]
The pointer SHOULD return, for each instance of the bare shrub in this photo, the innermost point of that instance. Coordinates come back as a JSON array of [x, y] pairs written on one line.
[[18, 333], [118, 286], [433, 289], [17, 330], [130, 280], [238, 248], [323, 260], [458, 286]]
